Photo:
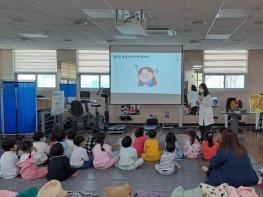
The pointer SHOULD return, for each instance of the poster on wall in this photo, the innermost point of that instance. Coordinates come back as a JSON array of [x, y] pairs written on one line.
[[128, 110], [57, 106], [256, 103]]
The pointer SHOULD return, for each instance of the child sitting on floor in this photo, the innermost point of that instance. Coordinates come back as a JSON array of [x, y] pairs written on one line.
[[79, 158], [151, 150], [8, 169], [71, 134], [58, 166], [209, 147], [40, 155], [167, 163], [102, 153], [60, 137], [90, 142], [192, 147], [27, 169], [139, 141], [128, 155], [170, 138]]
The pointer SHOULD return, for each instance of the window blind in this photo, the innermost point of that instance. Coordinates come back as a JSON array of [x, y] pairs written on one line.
[[35, 61], [93, 61], [225, 61], [68, 71]]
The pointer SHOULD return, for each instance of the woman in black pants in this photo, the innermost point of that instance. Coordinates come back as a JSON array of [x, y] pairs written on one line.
[[193, 100], [206, 117]]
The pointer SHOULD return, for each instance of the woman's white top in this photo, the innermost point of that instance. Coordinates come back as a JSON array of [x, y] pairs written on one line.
[[206, 116], [193, 98]]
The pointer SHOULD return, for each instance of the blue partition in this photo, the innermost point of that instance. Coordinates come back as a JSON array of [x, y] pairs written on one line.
[[19, 103], [70, 90]]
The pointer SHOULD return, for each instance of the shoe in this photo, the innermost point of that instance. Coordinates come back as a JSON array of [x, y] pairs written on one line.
[[260, 171]]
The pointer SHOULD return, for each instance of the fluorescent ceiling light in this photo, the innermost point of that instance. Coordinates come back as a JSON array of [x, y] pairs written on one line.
[[197, 66], [99, 13], [131, 30], [217, 36], [33, 35], [233, 13], [125, 37]]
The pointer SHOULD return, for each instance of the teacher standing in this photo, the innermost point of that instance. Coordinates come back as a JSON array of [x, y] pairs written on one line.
[[206, 117]]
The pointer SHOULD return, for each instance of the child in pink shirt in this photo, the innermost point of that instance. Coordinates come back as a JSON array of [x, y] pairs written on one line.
[[27, 169], [102, 153], [139, 141]]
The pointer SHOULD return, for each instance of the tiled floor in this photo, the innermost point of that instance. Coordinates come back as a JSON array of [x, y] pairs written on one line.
[[144, 178]]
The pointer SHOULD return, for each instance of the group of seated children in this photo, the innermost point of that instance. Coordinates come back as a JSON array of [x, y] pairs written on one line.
[[68, 154], [195, 148]]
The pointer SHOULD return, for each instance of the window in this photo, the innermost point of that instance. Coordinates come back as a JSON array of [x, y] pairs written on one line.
[[214, 81], [89, 81], [104, 81], [234, 81], [225, 81], [35, 61], [93, 61], [46, 81], [198, 78], [26, 77], [225, 68]]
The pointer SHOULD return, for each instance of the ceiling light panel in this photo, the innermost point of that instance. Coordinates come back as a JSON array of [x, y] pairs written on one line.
[[217, 36], [125, 37], [233, 13], [33, 35], [99, 13]]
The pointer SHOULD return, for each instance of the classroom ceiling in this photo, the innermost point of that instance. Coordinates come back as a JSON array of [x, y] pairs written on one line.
[[199, 24]]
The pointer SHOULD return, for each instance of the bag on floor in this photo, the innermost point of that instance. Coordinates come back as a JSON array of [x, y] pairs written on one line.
[[31, 192], [52, 188], [118, 191], [82, 194]]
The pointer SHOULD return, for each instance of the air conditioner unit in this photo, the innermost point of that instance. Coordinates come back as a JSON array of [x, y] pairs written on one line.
[[160, 31]]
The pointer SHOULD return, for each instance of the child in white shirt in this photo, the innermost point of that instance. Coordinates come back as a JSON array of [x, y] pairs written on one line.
[[79, 158], [41, 149], [128, 156], [71, 134], [8, 169], [168, 160]]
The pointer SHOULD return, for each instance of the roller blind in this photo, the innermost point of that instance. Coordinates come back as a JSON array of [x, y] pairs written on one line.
[[93, 61], [68, 71], [225, 61], [35, 61]]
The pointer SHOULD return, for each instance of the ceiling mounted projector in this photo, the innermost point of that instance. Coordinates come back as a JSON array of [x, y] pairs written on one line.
[[130, 22]]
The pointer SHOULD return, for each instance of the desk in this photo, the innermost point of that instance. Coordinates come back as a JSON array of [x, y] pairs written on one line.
[[234, 116]]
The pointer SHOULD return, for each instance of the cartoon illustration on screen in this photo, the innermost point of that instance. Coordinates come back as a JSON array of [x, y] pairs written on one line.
[[146, 77]]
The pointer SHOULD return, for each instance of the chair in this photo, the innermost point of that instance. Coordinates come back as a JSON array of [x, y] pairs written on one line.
[[78, 114]]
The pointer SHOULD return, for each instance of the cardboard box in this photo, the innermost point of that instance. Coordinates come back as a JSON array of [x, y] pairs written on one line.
[[43, 103]]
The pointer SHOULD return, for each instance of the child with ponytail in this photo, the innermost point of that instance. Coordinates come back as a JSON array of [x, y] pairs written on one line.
[[209, 147], [102, 153], [192, 147], [27, 168]]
